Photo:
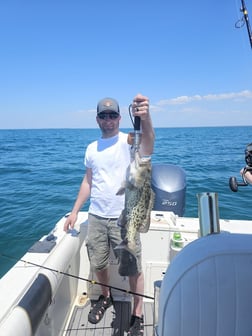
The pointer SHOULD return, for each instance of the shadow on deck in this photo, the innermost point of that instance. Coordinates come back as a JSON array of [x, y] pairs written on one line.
[[114, 323]]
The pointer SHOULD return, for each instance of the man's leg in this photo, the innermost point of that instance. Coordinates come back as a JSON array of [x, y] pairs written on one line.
[[137, 286], [105, 300], [103, 278], [137, 323], [98, 252]]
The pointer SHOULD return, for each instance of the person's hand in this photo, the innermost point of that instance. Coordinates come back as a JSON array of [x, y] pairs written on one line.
[[70, 221], [247, 174], [241, 171], [141, 106]]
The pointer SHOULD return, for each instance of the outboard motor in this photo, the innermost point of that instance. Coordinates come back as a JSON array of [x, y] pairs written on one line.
[[169, 185]]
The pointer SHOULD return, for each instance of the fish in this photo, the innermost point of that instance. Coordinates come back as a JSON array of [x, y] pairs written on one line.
[[139, 200]]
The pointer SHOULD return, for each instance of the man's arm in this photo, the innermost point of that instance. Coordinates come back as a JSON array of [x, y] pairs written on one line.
[[247, 175], [82, 197]]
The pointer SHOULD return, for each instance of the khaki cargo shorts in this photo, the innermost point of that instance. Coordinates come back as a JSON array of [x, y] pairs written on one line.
[[104, 233]]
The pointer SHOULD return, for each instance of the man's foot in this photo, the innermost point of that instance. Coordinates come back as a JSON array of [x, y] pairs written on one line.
[[98, 310], [136, 326]]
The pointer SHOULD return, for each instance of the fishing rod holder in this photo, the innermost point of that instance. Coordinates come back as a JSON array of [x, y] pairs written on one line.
[[208, 212]]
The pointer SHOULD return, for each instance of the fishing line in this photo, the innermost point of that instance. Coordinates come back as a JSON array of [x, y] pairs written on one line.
[[93, 282], [131, 115]]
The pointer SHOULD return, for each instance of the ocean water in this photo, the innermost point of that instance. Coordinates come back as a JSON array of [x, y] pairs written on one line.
[[41, 171]]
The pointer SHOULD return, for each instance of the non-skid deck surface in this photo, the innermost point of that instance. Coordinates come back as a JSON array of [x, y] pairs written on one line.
[[114, 323]]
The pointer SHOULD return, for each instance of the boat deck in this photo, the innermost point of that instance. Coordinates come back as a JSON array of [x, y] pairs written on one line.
[[114, 323]]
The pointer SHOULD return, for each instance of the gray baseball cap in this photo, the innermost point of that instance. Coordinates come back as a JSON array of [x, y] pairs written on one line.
[[108, 104]]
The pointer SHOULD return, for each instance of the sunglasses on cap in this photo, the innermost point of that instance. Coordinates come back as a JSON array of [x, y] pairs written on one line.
[[110, 115]]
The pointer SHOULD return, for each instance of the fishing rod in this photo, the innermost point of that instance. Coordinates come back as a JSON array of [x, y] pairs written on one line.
[[245, 19], [233, 184], [91, 281]]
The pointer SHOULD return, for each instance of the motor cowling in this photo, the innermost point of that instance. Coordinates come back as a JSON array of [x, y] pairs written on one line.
[[169, 185]]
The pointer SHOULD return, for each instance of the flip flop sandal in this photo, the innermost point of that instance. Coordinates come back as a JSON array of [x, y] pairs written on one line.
[[98, 310]]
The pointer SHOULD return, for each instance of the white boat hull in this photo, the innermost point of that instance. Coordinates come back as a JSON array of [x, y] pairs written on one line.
[[66, 269]]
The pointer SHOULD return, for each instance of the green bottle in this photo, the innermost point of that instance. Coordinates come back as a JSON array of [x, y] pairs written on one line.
[[177, 240]]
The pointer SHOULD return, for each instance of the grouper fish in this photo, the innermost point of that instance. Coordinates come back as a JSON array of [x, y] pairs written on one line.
[[139, 200]]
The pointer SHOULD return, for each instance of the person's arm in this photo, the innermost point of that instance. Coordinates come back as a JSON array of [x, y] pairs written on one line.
[[141, 109], [247, 175], [82, 197]]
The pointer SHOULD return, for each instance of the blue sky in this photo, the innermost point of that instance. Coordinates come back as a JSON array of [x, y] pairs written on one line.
[[59, 57]]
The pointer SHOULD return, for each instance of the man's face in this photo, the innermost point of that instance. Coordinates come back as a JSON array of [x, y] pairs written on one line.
[[108, 122]]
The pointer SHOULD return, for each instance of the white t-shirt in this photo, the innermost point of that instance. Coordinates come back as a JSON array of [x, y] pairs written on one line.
[[108, 158]]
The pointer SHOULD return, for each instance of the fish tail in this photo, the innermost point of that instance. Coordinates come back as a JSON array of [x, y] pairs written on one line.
[[125, 245]]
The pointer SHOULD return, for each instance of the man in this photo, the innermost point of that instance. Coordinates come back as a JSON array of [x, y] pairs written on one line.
[[106, 161]]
